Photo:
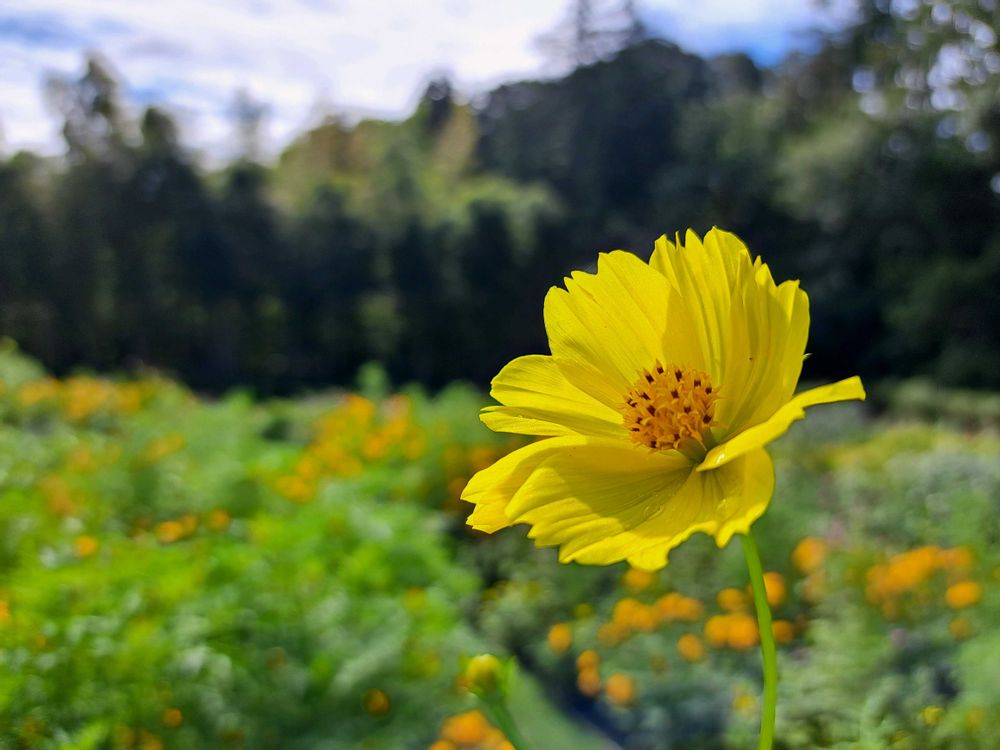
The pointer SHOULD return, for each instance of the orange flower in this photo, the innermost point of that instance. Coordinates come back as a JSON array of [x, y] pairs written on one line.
[[743, 633], [690, 647], [732, 600], [717, 630], [774, 584], [636, 579], [86, 546], [560, 638], [218, 520], [376, 702], [784, 631], [677, 607], [963, 594], [169, 531], [809, 554], [588, 681], [469, 728], [620, 689], [588, 659]]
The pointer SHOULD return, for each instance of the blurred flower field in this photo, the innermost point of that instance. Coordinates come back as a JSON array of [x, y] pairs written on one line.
[[184, 573]]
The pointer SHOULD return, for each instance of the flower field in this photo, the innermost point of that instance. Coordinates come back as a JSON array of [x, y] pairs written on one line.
[[178, 572]]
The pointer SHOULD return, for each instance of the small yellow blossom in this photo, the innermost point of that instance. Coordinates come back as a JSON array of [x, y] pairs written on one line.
[[931, 715], [958, 559], [376, 702], [620, 689], [637, 580], [86, 546], [469, 728], [717, 630], [732, 600], [963, 594], [809, 554], [169, 531], [588, 681], [676, 607], [742, 633], [218, 520], [611, 634], [744, 702], [588, 659], [560, 638], [774, 585], [690, 647], [784, 631]]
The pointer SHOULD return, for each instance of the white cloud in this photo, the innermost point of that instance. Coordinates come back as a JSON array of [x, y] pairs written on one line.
[[364, 56]]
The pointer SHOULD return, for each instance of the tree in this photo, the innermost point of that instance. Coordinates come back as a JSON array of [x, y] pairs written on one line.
[[593, 31]]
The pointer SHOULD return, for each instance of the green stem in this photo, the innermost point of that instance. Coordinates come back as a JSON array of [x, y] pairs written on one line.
[[500, 716], [768, 651]]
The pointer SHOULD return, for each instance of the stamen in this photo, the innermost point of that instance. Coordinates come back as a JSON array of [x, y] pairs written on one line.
[[667, 406]]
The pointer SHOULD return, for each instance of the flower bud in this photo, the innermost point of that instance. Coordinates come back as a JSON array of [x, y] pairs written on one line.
[[486, 676]]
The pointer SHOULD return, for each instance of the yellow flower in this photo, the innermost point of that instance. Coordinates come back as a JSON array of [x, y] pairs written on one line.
[[784, 631], [620, 689], [774, 585], [588, 681], [588, 659], [690, 647], [931, 715], [560, 638], [717, 630], [665, 382], [469, 728], [376, 702], [809, 554], [732, 600], [963, 594], [86, 546], [742, 633], [637, 580], [673, 606]]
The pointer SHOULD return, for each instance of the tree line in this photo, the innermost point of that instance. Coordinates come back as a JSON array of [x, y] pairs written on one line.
[[863, 168]]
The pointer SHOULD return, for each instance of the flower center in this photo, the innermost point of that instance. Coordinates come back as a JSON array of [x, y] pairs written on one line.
[[669, 405]]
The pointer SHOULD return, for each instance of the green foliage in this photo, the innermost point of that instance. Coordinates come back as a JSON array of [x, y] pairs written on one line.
[[187, 573], [860, 672], [867, 169]]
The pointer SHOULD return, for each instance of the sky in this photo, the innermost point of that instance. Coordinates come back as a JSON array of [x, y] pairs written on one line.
[[302, 59]]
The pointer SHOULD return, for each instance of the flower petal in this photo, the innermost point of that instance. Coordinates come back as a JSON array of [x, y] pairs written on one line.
[[605, 328], [753, 332], [602, 501], [538, 400], [492, 488], [769, 325], [703, 276], [763, 433]]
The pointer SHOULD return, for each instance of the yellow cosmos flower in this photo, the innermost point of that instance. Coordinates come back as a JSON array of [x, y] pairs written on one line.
[[665, 382]]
